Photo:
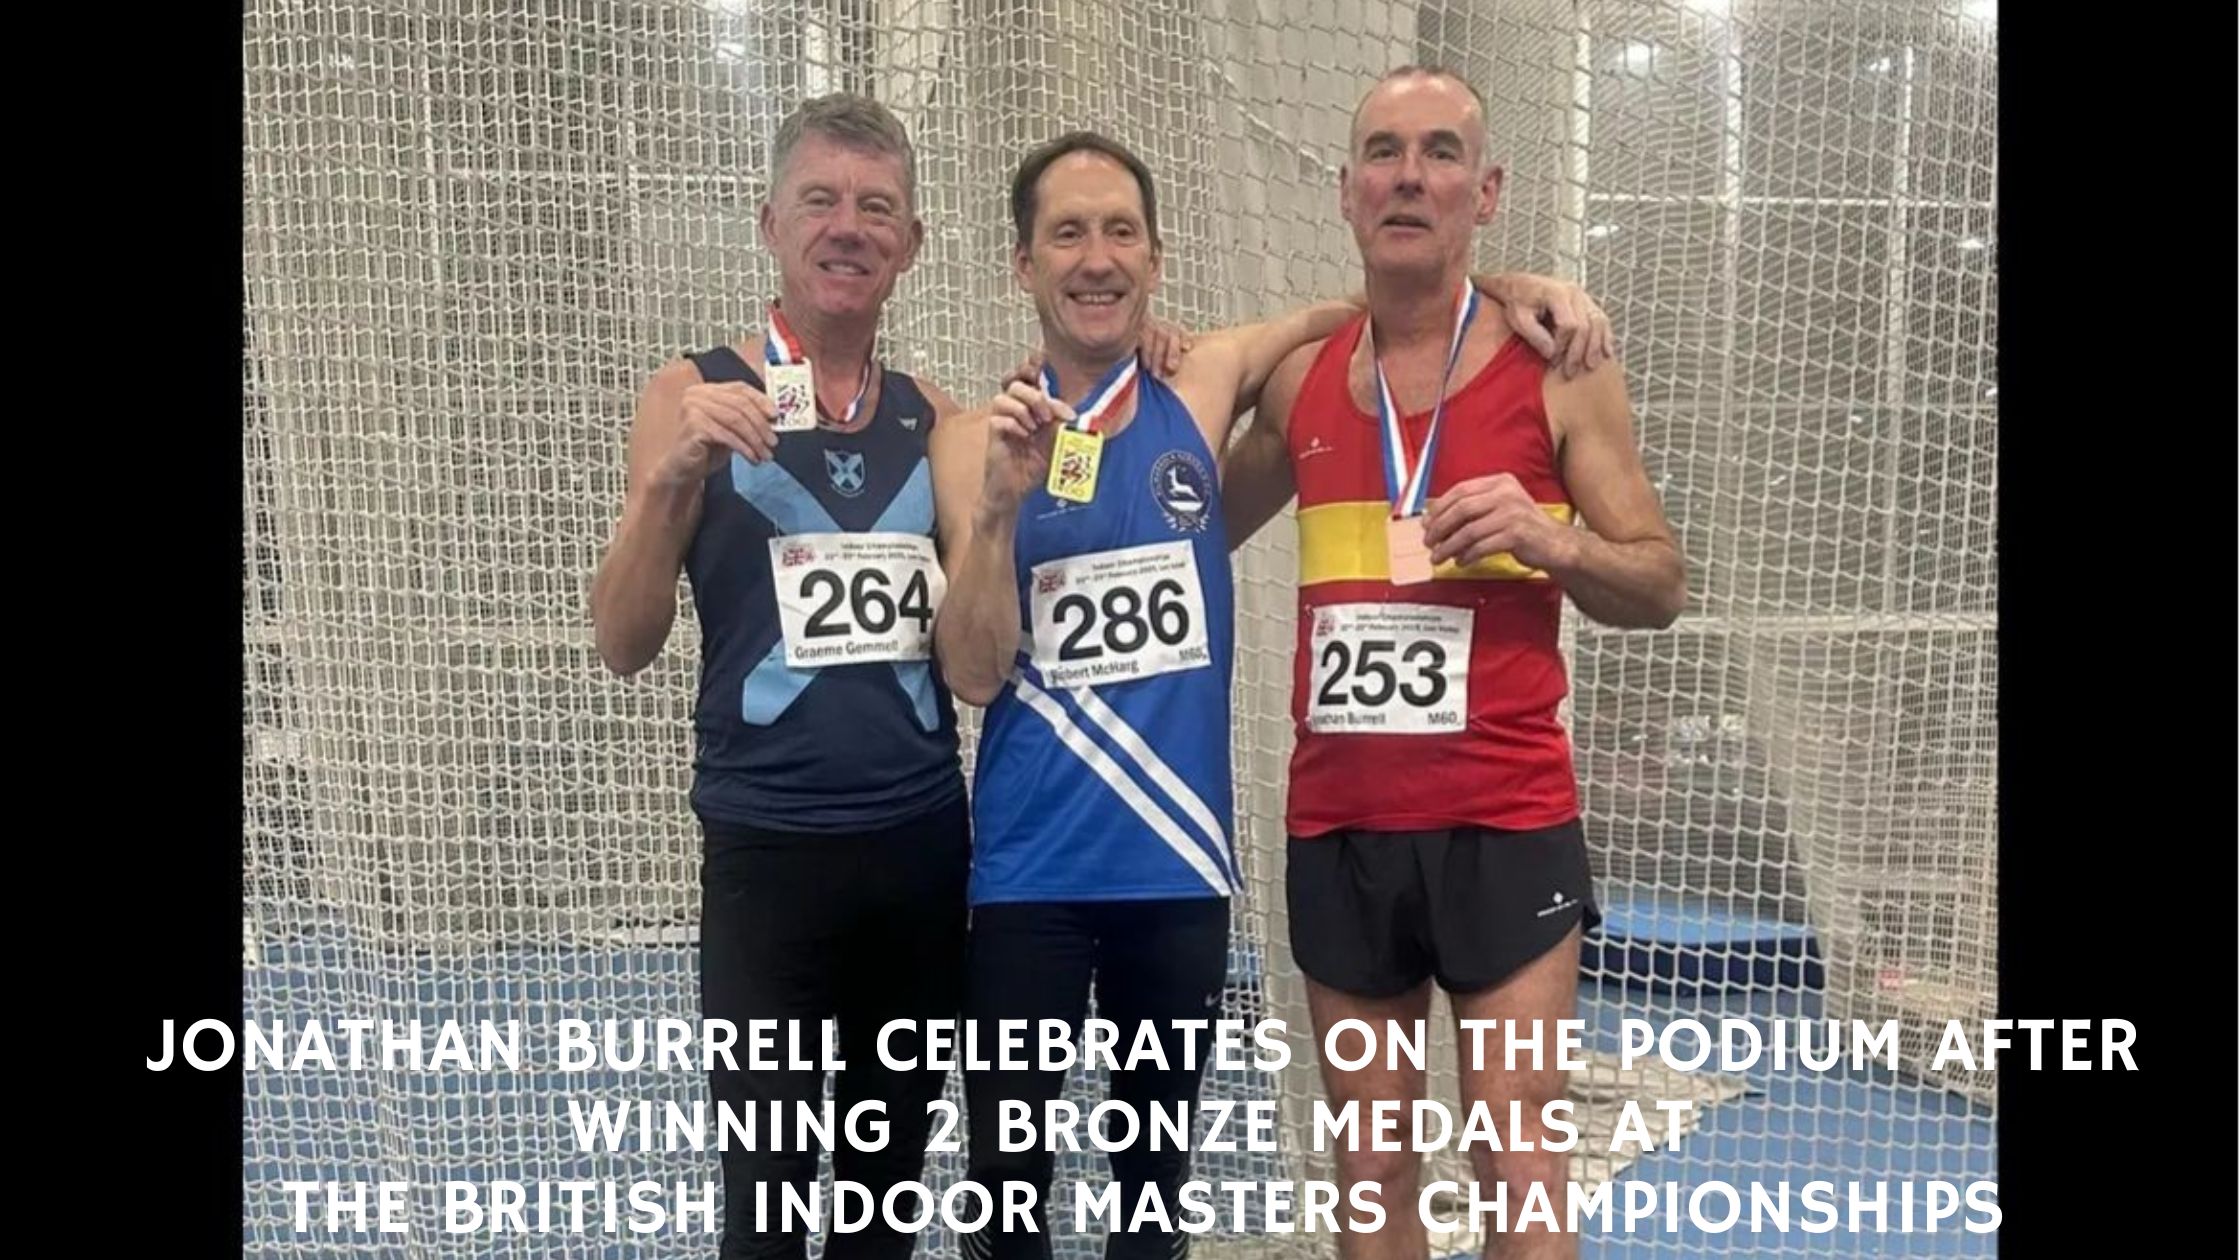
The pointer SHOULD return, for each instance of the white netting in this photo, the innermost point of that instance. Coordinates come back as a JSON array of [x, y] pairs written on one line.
[[474, 227]]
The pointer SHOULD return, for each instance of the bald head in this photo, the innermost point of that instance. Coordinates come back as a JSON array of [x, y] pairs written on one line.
[[1417, 91], [1418, 182]]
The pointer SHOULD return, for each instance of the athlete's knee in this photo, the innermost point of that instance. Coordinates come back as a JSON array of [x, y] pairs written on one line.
[[1531, 1163], [1393, 1170], [1539, 1155]]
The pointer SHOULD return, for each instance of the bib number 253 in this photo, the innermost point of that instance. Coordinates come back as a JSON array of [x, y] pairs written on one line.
[[1399, 669]]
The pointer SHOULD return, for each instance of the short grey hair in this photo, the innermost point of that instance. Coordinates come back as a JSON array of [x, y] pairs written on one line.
[[850, 119]]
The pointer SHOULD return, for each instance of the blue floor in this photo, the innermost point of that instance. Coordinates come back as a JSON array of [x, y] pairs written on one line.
[[1662, 960], [1654, 961], [1798, 1126]]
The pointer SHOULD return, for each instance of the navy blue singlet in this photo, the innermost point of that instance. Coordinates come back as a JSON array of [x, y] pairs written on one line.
[[835, 747]]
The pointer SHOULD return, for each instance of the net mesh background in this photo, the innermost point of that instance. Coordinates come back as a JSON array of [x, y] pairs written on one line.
[[473, 229]]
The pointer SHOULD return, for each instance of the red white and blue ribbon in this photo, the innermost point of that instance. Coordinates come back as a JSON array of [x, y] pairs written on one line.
[[1405, 488], [780, 344], [1104, 401]]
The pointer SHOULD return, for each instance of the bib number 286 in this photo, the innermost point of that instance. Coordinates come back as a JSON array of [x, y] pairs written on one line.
[[1124, 619], [1118, 615], [1398, 669]]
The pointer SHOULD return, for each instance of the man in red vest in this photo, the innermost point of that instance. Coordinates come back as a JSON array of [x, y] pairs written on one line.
[[1443, 471]]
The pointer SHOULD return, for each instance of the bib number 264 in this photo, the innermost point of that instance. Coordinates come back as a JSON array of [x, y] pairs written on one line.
[[848, 599]]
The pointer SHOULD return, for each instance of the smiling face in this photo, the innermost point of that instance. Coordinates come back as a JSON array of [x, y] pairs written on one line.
[[842, 228], [1089, 260], [1417, 185]]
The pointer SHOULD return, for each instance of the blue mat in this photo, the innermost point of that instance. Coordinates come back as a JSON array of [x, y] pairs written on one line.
[[1663, 958], [1695, 946]]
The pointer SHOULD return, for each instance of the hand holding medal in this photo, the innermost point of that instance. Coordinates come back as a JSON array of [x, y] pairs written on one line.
[[1019, 424], [1073, 466]]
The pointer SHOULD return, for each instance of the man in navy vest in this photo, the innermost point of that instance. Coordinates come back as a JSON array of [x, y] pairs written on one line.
[[787, 476]]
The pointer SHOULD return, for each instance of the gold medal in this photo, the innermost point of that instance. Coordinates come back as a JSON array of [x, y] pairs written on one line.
[[1073, 465]]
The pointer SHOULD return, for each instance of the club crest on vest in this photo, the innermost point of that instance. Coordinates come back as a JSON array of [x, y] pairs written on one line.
[[1183, 489], [846, 470]]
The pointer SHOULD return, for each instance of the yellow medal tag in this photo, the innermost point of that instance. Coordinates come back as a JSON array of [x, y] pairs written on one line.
[[1073, 465]]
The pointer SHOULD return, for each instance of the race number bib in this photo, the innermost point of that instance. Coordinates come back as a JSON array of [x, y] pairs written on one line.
[[1118, 615], [1393, 669], [847, 599]]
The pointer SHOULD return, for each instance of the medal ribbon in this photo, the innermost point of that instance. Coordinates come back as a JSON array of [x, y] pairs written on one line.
[[780, 344], [1408, 489], [1104, 401]]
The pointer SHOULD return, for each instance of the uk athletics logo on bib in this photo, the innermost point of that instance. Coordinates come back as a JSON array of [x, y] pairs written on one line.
[[1183, 490]]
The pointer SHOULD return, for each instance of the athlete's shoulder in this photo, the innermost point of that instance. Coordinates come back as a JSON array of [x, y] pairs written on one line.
[[1289, 381], [1595, 397], [962, 422], [717, 364], [662, 395], [1564, 407]]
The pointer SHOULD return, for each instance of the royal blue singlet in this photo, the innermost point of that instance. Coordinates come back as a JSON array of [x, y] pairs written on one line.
[[1103, 766]]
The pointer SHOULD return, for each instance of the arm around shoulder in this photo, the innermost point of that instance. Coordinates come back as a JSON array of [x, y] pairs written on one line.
[[1247, 357], [1256, 474]]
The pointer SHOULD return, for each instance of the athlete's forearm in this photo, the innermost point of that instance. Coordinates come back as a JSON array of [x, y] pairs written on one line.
[[977, 632], [634, 595], [1505, 287], [1630, 585]]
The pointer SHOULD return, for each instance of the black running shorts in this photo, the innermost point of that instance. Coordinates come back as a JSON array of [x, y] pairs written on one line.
[[1373, 914]]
